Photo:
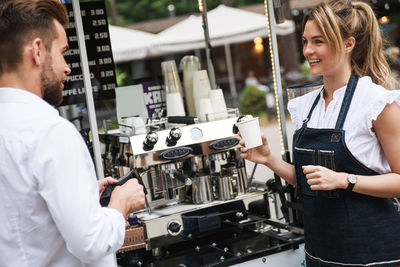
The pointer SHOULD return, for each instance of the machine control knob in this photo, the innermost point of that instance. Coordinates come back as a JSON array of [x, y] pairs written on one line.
[[150, 140], [174, 227], [174, 135]]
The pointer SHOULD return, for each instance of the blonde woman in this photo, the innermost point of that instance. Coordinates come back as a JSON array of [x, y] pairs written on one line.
[[347, 143]]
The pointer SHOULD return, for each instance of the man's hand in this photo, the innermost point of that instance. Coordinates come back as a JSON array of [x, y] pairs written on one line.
[[128, 197], [104, 182]]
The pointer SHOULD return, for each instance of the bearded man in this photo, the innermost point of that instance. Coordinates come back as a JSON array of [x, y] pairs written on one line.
[[49, 196]]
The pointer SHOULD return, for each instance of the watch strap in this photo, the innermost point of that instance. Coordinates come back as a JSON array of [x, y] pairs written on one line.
[[350, 187]]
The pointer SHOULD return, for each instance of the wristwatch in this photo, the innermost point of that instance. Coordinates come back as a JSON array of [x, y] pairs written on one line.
[[352, 179]]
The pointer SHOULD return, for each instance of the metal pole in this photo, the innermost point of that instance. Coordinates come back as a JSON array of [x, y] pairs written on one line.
[[280, 111], [88, 88], [276, 73], [231, 74], [210, 67]]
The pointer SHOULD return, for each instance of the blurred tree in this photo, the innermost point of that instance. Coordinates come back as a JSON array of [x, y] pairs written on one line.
[[129, 11], [123, 78], [252, 101]]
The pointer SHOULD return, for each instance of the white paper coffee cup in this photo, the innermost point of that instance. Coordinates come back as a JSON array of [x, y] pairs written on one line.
[[218, 104], [206, 112], [201, 87], [250, 131], [175, 105], [201, 84]]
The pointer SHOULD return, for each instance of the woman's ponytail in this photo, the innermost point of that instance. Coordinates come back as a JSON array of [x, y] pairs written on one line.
[[367, 57]]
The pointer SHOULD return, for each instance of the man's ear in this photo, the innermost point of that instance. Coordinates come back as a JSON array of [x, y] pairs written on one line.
[[36, 51], [349, 44]]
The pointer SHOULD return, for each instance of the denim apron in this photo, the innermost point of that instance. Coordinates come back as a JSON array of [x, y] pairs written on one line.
[[342, 228]]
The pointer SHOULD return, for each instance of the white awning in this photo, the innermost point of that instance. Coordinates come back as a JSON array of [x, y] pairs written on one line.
[[226, 25], [128, 44]]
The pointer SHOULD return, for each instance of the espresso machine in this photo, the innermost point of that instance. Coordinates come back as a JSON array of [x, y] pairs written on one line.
[[199, 201], [184, 168]]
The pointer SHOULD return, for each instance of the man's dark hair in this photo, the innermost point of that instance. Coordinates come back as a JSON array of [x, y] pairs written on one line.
[[22, 20]]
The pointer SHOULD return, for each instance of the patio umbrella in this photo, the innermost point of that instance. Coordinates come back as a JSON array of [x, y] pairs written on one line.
[[128, 44]]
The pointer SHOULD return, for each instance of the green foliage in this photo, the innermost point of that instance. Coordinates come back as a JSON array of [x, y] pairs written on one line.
[[246, 2], [122, 77], [113, 124], [142, 10], [252, 101], [305, 69]]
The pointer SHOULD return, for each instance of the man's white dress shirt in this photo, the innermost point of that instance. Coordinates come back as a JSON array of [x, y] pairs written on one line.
[[49, 197], [368, 102]]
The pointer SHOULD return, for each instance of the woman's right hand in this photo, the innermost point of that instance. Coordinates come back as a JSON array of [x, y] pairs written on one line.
[[258, 154]]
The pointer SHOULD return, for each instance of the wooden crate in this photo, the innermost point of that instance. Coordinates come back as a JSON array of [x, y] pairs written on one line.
[[135, 238]]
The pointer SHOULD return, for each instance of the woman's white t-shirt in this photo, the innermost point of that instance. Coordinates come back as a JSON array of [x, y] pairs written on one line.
[[368, 102]]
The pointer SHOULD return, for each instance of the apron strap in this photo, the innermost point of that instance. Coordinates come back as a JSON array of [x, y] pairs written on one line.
[[299, 133], [312, 109], [351, 87]]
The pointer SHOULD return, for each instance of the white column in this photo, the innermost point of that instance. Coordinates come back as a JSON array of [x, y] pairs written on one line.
[[231, 74], [88, 88]]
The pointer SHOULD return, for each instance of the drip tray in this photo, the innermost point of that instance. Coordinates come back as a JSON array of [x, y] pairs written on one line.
[[220, 248]]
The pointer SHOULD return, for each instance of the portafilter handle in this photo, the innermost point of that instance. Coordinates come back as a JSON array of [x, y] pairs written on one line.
[[106, 195], [183, 119], [183, 178]]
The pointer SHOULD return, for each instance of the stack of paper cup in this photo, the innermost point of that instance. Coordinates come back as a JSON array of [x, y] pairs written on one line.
[[173, 89], [171, 77], [250, 131], [201, 88], [175, 105], [218, 104], [206, 112], [188, 65]]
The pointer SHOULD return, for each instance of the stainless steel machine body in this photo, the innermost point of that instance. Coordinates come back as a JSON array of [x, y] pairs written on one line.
[[185, 169]]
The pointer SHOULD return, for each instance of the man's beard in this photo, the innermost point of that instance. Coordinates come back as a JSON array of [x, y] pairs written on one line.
[[51, 86]]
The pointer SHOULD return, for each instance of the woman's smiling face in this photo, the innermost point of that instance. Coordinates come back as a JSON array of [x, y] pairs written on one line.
[[316, 49]]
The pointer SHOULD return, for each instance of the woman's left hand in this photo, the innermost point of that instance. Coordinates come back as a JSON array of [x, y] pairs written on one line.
[[104, 182], [321, 178]]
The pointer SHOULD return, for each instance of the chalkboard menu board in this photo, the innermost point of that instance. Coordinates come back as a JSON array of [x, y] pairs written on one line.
[[98, 46]]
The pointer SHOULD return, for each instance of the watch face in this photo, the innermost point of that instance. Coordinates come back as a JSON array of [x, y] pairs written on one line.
[[352, 179]]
